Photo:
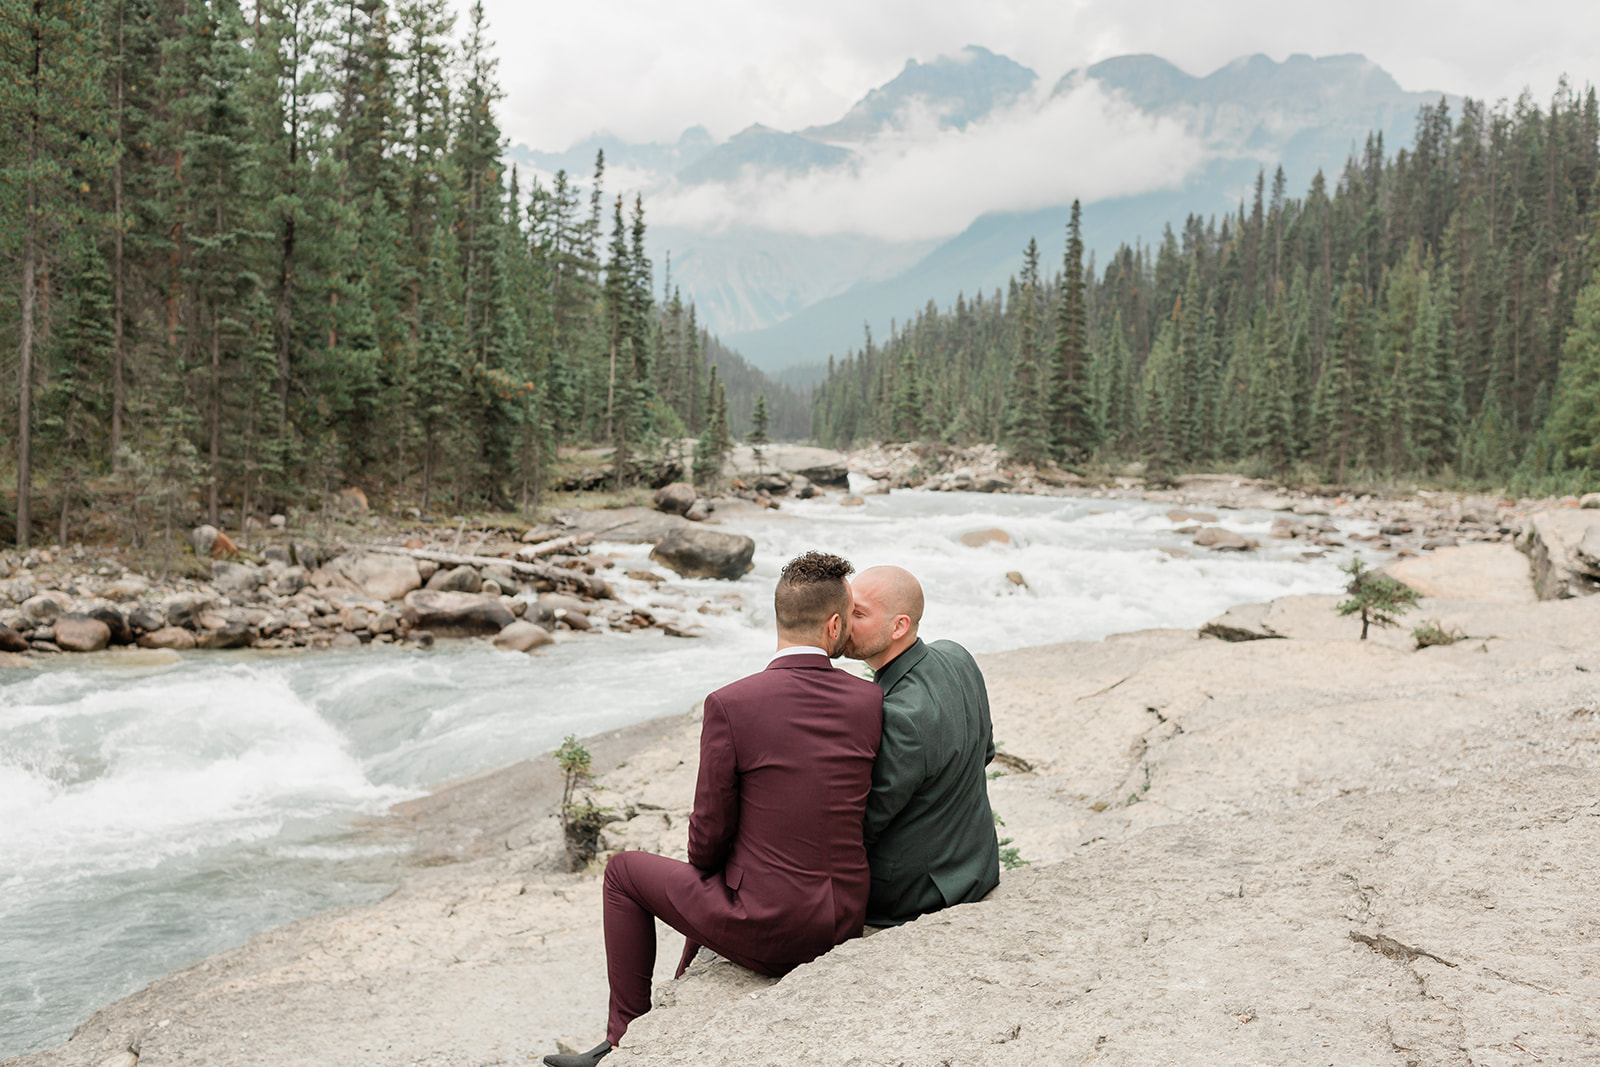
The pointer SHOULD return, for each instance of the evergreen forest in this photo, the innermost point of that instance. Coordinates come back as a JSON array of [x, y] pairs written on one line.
[[1432, 314], [257, 253]]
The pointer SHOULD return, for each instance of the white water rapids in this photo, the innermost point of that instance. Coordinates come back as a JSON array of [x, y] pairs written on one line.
[[150, 816]]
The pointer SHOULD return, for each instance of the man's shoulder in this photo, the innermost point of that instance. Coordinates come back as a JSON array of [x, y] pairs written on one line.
[[763, 684]]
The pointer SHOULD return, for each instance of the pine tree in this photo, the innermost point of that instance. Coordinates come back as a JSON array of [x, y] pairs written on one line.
[[1027, 433], [1072, 435], [757, 438]]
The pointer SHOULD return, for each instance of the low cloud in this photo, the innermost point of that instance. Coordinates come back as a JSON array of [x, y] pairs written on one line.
[[928, 182]]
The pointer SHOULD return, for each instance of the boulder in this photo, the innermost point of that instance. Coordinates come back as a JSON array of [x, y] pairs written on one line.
[[1222, 539], [143, 618], [294, 579], [174, 637], [1493, 574], [1016, 578], [1566, 562], [490, 587], [77, 632], [128, 587], [675, 499], [115, 621], [977, 538], [802, 488], [701, 553], [772, 482], [562, 602], [352, 500], [1184, 515], [521, 636], [877, 488], [277, 522], [236, 577], [231, 634], [19, 589], [993, 483], [44, 607], [455, 614], [184, 609], [827, 475], [385, 622], [1287, 528], [380, 576], [276, 554], [699, 511], [574, 620], [851, 501], [461, 579], [11, 641], [202, 539]]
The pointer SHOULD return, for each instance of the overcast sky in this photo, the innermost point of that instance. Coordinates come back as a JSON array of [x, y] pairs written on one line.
[[646, 70]]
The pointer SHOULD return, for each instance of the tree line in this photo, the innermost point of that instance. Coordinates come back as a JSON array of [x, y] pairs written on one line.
[[256, 253], [1436, 314]]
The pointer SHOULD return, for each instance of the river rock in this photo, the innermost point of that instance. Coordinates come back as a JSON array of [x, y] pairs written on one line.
[[700, 510], [236, 577], [1185, 515], [184, 609], [455, 614], [1287, 528], [46, 606], [11, 640], [574, 620], [128, 587], [1244, 622], [77, 632], [522, 636], [174, 637], [115, 621], [292, 580], [1222, 539], [675, 499], [276, 554], [978, 538], [144, 618], [378, 575], [851, 501], [358, 619], [352, 500], [700, 553], [385, 622], [463, 579], [1016, 578], [562, 602], [802, 488], [1589, 500], [19, 589], [231, 634], [772, 482], [828, 475], [993, 483]]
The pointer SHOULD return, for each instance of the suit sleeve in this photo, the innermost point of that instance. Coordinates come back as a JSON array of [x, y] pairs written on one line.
[[715, 819], [983, 711], [896, 772]]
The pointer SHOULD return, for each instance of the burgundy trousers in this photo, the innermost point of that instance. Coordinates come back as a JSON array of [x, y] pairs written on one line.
[[641, 887]]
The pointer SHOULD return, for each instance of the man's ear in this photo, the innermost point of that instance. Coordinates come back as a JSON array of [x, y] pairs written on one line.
[[902, 626], [833, 627]]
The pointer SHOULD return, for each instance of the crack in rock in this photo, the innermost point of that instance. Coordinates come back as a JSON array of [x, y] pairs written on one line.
[[1395, 950]]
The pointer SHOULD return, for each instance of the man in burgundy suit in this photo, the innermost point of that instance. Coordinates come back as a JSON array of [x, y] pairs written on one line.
[[777, 872]]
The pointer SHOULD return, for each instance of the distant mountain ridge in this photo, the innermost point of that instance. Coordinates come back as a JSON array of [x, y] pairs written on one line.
[[785, 298]]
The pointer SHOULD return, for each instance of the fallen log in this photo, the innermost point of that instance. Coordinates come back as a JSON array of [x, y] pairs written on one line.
[[542, 571], [554, 547]]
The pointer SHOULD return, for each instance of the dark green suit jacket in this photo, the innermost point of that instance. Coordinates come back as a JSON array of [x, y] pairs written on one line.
[[929, 833]]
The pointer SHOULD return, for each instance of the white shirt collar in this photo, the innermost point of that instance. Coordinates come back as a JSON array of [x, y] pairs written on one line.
[[800, 650]]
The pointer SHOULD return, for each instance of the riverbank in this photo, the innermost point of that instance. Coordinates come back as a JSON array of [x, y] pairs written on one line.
[[353, 578], [1307, 847]]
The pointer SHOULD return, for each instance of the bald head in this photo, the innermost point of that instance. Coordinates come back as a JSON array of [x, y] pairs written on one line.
[[886, 613]]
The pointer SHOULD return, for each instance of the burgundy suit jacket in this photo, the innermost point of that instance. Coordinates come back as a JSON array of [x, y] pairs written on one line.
[[785, 769]]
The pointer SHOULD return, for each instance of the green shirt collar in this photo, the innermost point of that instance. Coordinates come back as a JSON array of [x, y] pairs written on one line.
[[890, 673]]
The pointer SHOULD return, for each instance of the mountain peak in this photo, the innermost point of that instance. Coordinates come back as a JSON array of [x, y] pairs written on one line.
[[960, 89]]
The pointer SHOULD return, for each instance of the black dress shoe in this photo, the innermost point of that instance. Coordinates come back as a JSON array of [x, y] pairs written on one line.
[[579, 1059]]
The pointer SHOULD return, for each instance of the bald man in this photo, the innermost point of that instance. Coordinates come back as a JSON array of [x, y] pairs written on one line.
[[928, 829]]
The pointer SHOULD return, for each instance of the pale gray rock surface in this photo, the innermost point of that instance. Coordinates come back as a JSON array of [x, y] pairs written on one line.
[[1311, 850]]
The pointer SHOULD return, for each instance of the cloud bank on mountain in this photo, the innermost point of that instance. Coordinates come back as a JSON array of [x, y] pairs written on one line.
[[924, 177]]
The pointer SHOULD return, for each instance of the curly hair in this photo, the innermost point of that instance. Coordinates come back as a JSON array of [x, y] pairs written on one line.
[[811, 590]]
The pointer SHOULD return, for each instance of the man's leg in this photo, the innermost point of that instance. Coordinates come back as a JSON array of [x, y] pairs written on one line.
[[640, 887]]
